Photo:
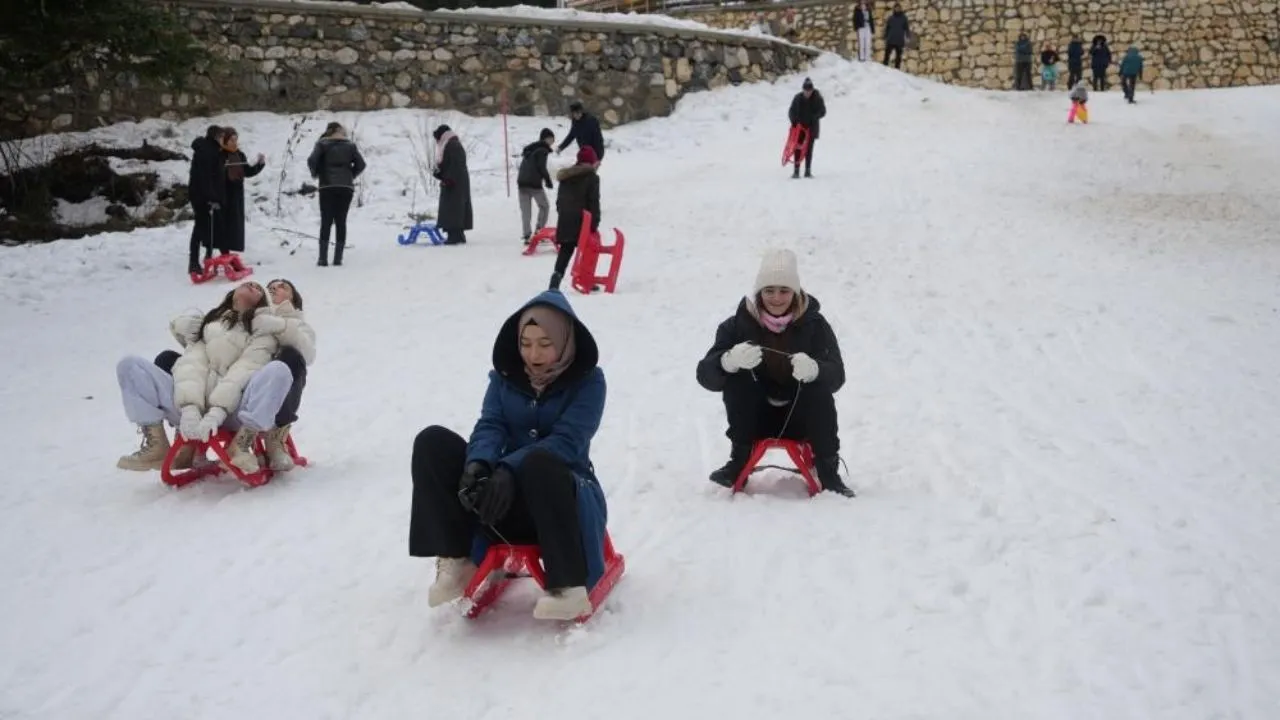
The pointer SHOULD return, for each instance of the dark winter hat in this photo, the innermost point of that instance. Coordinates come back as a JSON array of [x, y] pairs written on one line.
[[575, 106], [440, 131], [808, 84], [546, 133], [213, 133]]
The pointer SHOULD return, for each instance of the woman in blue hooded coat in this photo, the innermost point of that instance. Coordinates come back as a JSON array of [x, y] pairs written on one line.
[[525, 475]]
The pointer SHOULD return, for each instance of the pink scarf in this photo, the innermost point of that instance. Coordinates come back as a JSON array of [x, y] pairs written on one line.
[[776, 324], [444, 140]]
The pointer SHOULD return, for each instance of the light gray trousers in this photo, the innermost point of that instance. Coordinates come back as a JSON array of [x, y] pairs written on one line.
[[147, 392], [528, 196]]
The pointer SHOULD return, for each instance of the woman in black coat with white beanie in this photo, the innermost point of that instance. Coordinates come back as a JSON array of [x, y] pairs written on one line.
[[778, 365]]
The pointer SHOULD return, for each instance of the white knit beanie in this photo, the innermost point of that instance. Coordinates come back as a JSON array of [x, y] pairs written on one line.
[[778, 268]]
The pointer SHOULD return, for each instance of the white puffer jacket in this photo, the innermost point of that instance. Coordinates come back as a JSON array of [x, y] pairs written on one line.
[[296, 334], [213, 371]]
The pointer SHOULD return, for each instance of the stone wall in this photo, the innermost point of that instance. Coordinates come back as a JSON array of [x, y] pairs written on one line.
[[1186, 43], [295, 57]]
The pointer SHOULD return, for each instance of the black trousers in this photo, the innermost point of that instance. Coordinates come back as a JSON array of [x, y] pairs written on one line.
[[896, 51], [1074, 73], [1130, 84], [1099, 79], [543, 512], [288, 412], [334, 204], [808, 155], [752, 417], [202, 233], [1022, 75]]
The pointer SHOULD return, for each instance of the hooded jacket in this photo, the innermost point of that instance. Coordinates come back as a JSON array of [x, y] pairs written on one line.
[[533, 166], [215, 368], [1131, 64], [562, 421], [205, 183], [579, 190], [335, 162]]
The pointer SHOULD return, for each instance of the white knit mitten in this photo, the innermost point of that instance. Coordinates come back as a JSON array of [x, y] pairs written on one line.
[[742, 356]]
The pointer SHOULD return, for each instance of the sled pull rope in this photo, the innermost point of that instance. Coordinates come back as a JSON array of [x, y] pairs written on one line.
[[794, 401]]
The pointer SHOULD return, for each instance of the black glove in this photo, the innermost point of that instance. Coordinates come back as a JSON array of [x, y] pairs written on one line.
[[471, 485], [437, 174], [496, 495], [549, 185]]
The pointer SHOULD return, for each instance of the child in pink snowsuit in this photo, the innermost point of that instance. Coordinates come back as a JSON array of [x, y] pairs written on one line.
[[1079, 104]]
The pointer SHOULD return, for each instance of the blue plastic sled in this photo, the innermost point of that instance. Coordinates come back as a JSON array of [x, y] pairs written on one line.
[[433, 233]]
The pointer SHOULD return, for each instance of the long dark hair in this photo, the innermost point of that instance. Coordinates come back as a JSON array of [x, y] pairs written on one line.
[[225, 313], [296, 297]]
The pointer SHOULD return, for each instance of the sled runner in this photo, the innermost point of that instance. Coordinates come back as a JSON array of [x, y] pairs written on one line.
[[511, 562], [201, 467], [800, 452], [432, 232], [546, 233], [794, 144], [230, 265]]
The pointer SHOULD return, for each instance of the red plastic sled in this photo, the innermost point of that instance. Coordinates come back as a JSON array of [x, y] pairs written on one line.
[[546, 233], [517, 561], [230, 265], [218, 444], [794, 144], [800, 452], [583, 272]]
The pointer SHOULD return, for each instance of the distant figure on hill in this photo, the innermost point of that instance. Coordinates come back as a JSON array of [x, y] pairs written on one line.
[[237, 168], [1048, 67], [586, 130], [1100, 60], [1023, 53], [807, 110], [532, 177], [207, 191], [863, 22], [335, 163], [454, 215], [1130, 72], [1075, 61], [1079, 103], [579, 190], [896, 30]]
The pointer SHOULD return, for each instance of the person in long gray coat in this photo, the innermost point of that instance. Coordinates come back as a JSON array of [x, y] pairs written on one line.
[[454, 216]]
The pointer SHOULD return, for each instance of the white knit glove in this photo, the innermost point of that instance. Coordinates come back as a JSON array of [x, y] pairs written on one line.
[[189, 425], [742, 356], [804, 368], [213, 420]]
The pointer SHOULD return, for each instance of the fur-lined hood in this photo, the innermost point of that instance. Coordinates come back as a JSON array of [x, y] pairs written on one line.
[[574, 171]]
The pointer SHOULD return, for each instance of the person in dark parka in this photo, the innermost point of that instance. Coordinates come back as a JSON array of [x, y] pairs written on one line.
[[777, 364], [454, 214], [335, 162], [896, 29], [525, 475], [1023, 53], [579, 190], [807, 110], [586, 130], [1099, 61], [207, 191], [1075, 61], [1130, 72], [237, 168], [532, 176]]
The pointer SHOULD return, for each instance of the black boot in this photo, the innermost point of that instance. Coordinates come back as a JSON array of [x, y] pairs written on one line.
[[728, 473], [324, 254], [829, 476], [796, 172], [337, 253], [555, 281]]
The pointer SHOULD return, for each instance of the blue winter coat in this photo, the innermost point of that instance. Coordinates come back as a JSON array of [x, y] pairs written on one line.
[[514, 419], [1131, 65]]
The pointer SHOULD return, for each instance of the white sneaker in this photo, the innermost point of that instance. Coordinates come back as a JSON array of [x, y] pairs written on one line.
[[452, 576], [565, 604]]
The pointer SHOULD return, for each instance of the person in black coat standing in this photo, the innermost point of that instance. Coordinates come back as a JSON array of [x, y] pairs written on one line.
[[231, 237], [529, 181], [807, 110], [335, 162], [454, 214], [777, 364], [1100, 60], [586, 130], [896, 29], [207, 191], [579, 190], [1075, 61]]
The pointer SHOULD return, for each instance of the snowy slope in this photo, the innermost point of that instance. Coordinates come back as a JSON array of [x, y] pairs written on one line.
[[1061, 420]]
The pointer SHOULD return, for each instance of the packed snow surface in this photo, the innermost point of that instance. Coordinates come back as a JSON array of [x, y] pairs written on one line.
[[1061, 419]]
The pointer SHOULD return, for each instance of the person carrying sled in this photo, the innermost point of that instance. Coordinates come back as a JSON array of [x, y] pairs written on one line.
[[215, 381], [335, 162], [207, 191], [525, 475], [532, 176], [1079, 103], [454, 215], [297, 351], [806, 112], [1130, 72], [579, 190], [777, 364], [586, 130]]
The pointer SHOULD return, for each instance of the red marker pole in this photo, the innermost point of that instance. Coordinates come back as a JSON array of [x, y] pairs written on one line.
[[506, 148]]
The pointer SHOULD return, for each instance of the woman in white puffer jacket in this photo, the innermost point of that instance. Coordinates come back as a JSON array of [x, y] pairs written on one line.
[[215, 381]]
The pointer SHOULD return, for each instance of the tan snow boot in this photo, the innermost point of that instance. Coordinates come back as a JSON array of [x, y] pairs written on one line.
[[183, 459], [452, 577], [150, 456], [240, 449], [278, 457], [563, 604]]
